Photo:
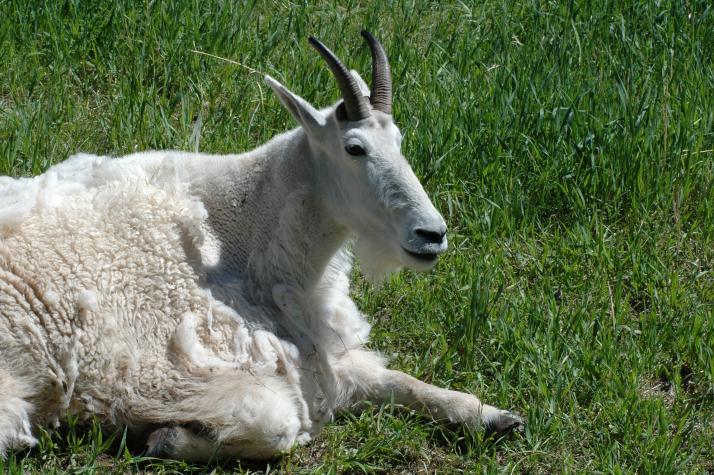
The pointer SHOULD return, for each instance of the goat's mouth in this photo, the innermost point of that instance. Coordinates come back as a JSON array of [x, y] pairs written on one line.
[[424, 257]]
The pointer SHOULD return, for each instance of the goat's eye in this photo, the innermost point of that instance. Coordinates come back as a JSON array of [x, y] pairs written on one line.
[[354, 149]]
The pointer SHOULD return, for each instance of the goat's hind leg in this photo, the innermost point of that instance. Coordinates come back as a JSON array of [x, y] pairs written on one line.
[[181, 443], [15, 412], [234, 415]]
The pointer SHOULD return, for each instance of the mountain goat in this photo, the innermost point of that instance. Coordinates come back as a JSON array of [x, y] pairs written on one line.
[[204, 299]]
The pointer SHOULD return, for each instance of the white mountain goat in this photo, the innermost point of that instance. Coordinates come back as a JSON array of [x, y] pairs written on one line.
[[204, 299]]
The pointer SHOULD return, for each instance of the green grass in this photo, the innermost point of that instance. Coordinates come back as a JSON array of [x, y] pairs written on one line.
[[568, 144]]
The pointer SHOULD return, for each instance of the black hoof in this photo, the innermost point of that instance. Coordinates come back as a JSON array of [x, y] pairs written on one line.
[[503, 424], [161, 442]]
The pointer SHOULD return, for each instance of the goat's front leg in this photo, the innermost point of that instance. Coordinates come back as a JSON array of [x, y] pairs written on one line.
[[379, 384], [443, 405]]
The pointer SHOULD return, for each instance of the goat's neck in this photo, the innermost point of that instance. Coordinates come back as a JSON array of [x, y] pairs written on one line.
[[270, 219]]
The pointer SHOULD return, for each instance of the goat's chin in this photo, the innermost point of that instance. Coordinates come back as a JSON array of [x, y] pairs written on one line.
[[377, 259]]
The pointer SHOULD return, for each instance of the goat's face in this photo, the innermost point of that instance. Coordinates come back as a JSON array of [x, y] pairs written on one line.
[[376, 194], [366, 182]]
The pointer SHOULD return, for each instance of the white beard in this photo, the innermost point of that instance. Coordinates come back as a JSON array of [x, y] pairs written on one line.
[[375, 259]]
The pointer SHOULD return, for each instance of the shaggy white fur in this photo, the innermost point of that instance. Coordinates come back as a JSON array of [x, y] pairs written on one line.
[[184, 290]]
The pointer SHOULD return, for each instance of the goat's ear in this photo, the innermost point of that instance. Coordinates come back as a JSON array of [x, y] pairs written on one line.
[[363, 87], [309, 117]]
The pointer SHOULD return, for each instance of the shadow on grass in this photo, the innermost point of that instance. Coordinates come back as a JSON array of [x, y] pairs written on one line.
[[89, 447]]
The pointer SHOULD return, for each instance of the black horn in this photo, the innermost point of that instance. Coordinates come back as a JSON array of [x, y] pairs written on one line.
[[381, 95], [356, 106]]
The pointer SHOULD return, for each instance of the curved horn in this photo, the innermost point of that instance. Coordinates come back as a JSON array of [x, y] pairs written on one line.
[[356, 106], [381, 95]]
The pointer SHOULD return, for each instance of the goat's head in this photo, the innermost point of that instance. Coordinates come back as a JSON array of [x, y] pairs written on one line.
[[367, 184]]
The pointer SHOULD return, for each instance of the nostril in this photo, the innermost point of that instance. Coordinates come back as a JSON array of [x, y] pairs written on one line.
[[436, 237]]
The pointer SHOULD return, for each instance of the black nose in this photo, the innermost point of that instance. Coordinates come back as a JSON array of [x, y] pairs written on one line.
[[436, 237]]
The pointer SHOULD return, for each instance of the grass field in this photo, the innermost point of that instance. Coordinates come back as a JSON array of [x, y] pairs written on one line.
[[569, 146]]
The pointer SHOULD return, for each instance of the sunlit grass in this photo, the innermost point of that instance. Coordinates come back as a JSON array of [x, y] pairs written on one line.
[[568, 144]]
